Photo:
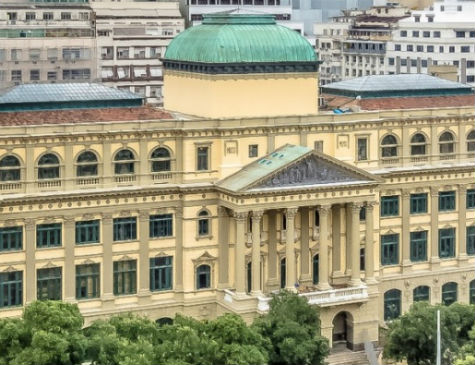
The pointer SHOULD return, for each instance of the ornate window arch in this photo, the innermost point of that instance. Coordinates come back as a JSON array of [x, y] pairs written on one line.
[[418, 144], [389, 146], [87, 164], [48, 166], [421, 293], [392, 304], [124, 162], [10, 168], [161, 159], [449, 293], [204, 271], [471, 141], [204, 223], [446, 143]]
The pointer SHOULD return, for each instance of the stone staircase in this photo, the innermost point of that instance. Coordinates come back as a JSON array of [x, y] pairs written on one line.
[[345, 356]]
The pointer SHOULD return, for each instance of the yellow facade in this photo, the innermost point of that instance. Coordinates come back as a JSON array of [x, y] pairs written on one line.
[[240, 96]]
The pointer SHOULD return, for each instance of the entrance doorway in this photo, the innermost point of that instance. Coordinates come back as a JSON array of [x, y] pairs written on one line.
[[342, 335]]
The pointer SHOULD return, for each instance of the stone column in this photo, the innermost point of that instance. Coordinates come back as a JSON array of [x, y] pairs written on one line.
[[223, 248], [144, 261], [144, 165], [69, 173], [273, 283], [107, 266], [30, 248], [290, 249], [107, 163], [256, 253], [179, 248], [355, 244], [462, 223], [434, 226], [305, 275], [337, 240], [239, 282], [30, 167], [323, 211], [405, 239], [179, 159], [369, 248], [434, 145], [69, 270]]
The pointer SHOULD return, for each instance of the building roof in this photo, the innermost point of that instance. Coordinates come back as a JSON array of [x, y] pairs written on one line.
[[66, 96], [402, 85], [239, 38]]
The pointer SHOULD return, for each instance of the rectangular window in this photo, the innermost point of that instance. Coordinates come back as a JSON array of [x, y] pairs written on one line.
[[426, 34], [30, 16], [77, 74], [471, 240], [122, 53], [11, 289], [107, 53], [390, 249], [48, 16], [16, 75], [441, 49], [65, 16], [403, 33], [418, 203], [161, 225], [415, 33], [34, 75], [403, 62], [48, 235], [52, 54], [48, 284], [11, 238], [430, 48], [391, 61], [389, 205], [87, 281], [362, 149], [419, 246], [125, 277], [446, 201], [460, 34], [446, 242], [35, 54], [452, 49], [318, 146], [436, 34], [397, 47], [253, 150], [52, 75], [465, 49], [161, 273], [470, 198], [410, 48], [16, 54], [125, 229], [202, 158], [87, 232], [472, 34]]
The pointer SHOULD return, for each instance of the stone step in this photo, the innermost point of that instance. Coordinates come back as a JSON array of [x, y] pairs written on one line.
[[347, 357]]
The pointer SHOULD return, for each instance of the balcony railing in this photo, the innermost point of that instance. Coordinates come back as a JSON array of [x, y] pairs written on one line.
[[10, 186], [88, 181], [125, 178], [49, 183]]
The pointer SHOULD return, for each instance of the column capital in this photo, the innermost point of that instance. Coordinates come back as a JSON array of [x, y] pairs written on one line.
[[405, 193], [144, 215], [106, 218], [324, 209], [291, 212], [29, 224], [434, 191], [369, 206], [257, 215], [240, 216], [462, 188], [222, 211], [356, 207], [179, 212], [68, 221]]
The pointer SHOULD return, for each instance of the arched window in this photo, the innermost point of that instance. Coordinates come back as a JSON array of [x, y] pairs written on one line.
[[124, 162], [203, 277], [282, 273], [164, 321], [392, 304], [161, 160], [86, 164], [389, 146], [471, 141], [9, 168], [418, 144], [449, 293], [203, 223], [48, 167], [421, 293], [472, 292], [446, 143], [315, 269]]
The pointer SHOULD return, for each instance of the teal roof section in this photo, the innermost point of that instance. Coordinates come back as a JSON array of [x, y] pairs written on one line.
[[66, 96], [264, 166], [402, 85], [240, 38]]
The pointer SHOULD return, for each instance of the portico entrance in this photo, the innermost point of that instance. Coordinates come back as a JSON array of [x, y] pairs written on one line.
[[342, 336]]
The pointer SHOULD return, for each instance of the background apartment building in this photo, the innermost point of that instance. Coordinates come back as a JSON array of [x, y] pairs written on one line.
[[46, 41], [131, 38]]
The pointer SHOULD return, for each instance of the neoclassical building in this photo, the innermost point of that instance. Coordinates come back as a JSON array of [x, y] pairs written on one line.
[[239, 188]]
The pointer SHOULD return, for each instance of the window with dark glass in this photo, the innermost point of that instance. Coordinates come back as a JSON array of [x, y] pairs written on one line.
[[421, 293], [87, 231], [11, 288], [362, 149], [161, 273], [283, 274], [125, 277], [87, 281], [11, 238], [363, 214], [125, 229], [249, 276], [470, 198], [315, 262], [253, 150], [418, 242], [161, 160], [48, 235], [203, 277], [392, 304], [124, 162], [10, 168], [48, 284], [390, 249], [449, 293], [202, 158], [418, 203], [203, 223], [389, 205], [161, 225], [446, 143], [446, 200], [471, 141], [362, 259], [86, 164], [446, 242], [470, 240], [389, 146], [48, 167], [418, 144], [472, 292]]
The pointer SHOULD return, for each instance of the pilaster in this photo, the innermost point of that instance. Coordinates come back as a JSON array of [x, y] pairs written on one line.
[[223, 248], [434, 227], [256, 253], [369, 248], [323, 211], [69, 267], [273, 281], [355, 244], [30, 248], [107, 266], [462, 224], [290, 249], [239, 265], [144, 261], [405, 241], [305, 275]]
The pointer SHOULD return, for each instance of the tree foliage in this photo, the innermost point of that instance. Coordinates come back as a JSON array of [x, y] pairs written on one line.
[[466, 354], [293, 328], [413, 336]]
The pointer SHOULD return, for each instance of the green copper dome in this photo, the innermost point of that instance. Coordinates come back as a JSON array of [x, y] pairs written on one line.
[[238, 39]]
